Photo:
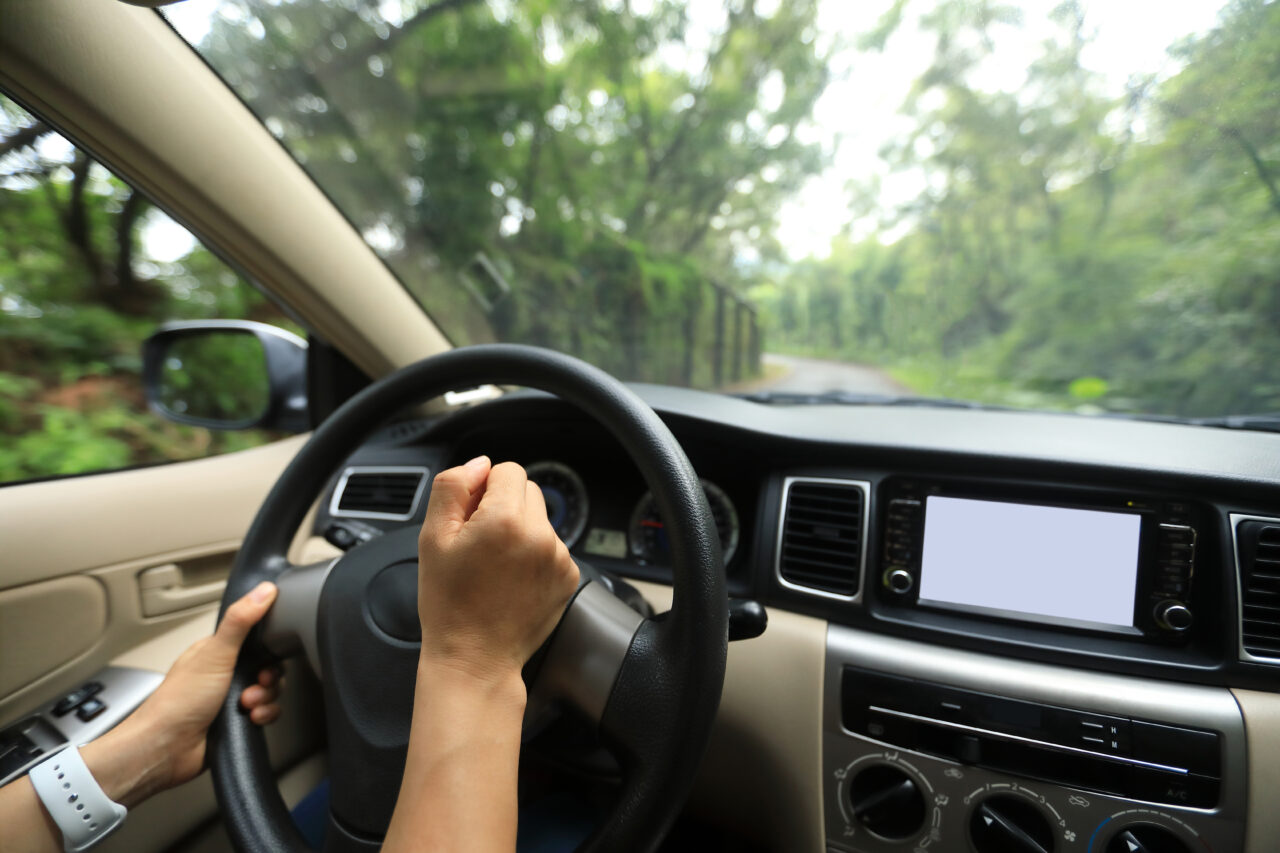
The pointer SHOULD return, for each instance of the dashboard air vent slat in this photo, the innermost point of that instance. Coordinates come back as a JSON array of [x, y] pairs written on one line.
[[822, 536], [1258, 551], [391, 493]]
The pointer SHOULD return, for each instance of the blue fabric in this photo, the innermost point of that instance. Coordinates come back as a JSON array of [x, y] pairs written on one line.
[[311, 815], [557, 823]]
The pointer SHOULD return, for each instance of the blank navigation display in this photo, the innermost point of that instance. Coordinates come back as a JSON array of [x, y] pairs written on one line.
[[1069, 565]]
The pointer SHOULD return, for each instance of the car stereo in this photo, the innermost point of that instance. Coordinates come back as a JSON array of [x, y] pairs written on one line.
[[1090, 561]]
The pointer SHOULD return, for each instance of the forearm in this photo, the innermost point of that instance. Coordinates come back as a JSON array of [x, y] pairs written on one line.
[[459, 787], [127, 765]]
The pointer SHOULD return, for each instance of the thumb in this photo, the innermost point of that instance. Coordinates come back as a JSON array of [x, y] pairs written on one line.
[[455, 493], [238, 621]]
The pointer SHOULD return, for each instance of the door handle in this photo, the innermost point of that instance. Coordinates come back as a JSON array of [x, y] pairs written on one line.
[[164, 592]]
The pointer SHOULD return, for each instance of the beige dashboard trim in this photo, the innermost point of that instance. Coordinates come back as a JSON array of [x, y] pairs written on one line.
[[1262, 732], [762, 774], [117, 78]]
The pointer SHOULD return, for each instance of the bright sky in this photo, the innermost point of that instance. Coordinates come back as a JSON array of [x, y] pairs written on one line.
[[858, 114]]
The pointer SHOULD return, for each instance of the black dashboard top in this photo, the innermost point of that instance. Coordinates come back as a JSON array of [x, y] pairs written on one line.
[[748, 450]]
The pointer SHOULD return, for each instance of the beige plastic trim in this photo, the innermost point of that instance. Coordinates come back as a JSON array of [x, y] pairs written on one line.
[[68, 526], [118, 80], [1262, 732], [105, 530], [762, 774], [44, 625]]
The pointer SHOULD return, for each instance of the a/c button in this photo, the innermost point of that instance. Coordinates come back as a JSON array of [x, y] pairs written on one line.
[[1179, 789]]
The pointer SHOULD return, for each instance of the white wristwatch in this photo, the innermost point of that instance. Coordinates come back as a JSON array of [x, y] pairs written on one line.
[[75, 800]]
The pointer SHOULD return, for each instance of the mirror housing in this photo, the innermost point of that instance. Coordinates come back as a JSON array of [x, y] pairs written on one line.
[[266, 388]]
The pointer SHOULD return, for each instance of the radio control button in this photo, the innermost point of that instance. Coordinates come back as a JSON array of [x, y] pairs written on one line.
[[899, 581], [1173, 615]]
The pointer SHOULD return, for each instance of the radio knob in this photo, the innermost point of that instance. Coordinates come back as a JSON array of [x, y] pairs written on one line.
[[899, 581], [887, 802], [1173, 616], [1146, 838], [1005, 824]]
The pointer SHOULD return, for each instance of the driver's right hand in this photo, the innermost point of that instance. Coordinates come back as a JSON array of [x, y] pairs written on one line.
[[493, 576]]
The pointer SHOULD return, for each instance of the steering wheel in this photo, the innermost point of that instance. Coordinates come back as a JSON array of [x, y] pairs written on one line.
[[650, 686]]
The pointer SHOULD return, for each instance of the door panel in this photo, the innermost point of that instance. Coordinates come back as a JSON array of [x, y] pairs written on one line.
[[36, 635], [63, 538]]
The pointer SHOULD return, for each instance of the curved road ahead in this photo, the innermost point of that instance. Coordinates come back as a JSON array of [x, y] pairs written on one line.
[[792, 374]]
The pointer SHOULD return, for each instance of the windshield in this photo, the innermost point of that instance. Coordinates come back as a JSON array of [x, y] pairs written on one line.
[[1062, 205]]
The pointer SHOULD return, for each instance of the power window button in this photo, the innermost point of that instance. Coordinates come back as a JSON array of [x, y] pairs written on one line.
[[90, 709], [76, 698]]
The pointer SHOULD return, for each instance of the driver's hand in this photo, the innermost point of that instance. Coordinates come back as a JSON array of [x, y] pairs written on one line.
[[493, 577], [181, 710]]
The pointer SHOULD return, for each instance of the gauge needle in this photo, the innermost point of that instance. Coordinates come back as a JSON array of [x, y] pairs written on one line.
[[647, 523]]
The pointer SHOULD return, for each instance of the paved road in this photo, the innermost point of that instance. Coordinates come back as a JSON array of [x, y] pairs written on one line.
[[794, 374]]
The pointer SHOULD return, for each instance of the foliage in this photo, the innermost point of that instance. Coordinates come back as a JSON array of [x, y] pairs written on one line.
[[543, 171], [78, 295], [1073, 250]]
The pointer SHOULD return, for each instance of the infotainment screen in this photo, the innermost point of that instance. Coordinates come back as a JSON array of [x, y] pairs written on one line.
[[1041, 563]]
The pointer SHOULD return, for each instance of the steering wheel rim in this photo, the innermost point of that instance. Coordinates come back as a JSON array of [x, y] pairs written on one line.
[[663, 700]]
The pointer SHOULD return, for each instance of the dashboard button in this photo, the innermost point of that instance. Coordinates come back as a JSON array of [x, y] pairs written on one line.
[[1195, 750], [1180, 789]]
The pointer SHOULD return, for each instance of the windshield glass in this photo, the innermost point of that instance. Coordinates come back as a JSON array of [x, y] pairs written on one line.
[[1070, 205]]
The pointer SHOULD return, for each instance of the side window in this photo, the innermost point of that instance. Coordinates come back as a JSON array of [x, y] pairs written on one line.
[[88, 270]]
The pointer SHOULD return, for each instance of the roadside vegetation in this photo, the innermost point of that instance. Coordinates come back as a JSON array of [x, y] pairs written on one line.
[[608, 181]]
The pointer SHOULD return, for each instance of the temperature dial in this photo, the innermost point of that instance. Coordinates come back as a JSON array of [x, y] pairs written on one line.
[[887, 802], [1007, 824], [1146, 838]]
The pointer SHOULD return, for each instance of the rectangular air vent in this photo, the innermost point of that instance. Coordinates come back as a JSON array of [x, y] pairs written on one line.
[[1258, 562], [392, 493], [822, 540]]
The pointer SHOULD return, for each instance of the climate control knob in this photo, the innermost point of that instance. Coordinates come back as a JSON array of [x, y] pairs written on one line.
[[1146, 838], [887, 802], [1007, 824]]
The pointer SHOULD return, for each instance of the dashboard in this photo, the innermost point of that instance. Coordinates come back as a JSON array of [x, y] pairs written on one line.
[[1033, 620]]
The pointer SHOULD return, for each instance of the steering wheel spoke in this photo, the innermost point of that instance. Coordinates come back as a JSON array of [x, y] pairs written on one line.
[[587, 651], [291, 626]]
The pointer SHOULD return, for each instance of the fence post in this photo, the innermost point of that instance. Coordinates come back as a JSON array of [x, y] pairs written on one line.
[[737, 339], [717, 355]]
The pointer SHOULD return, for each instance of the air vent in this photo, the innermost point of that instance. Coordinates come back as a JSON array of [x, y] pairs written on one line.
[[391, 493], [1258, 552], [820, 546]]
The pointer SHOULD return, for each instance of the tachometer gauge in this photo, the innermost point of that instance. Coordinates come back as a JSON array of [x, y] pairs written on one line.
[[565, 495], [648, 533]]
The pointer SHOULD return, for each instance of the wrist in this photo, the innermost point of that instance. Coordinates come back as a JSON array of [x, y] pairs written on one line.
[[499, 685], [130, 762]]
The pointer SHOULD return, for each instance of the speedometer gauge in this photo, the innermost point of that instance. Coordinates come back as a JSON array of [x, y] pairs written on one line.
[[566, 498], [648, 533]]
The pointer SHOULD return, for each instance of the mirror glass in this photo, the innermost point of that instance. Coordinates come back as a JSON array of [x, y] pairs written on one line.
[[218, 377]]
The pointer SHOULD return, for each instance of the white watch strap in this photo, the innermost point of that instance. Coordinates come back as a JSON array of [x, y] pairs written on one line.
[[75, 801]]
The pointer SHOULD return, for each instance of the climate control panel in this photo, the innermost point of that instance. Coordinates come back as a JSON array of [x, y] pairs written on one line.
[[919, 780]]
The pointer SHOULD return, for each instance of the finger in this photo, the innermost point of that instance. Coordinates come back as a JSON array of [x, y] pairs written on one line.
[[253, 696], [237, 622], [535, 504], [265, 714], [455, 493], [506, 487], [270, 675]]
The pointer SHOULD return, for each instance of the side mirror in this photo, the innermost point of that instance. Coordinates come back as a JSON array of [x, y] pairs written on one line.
[[227, 374]]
